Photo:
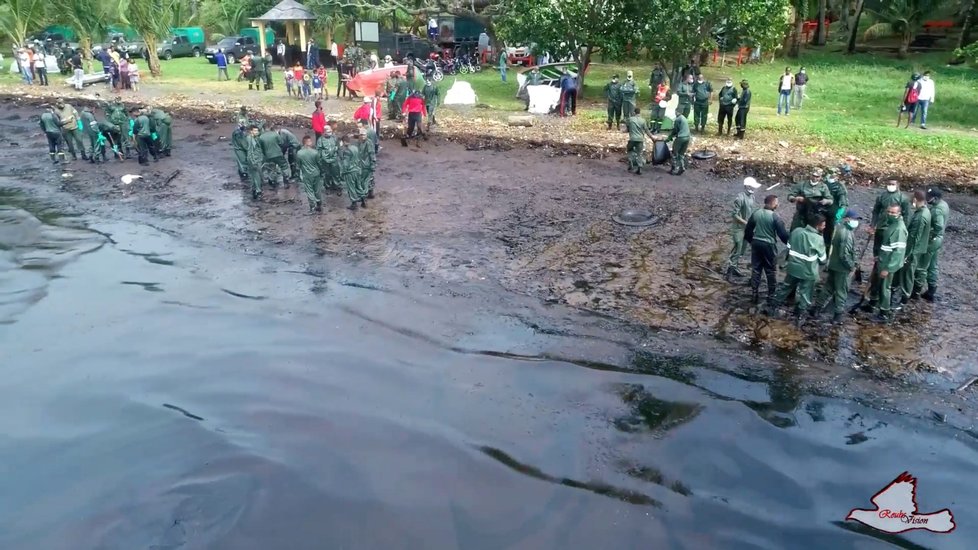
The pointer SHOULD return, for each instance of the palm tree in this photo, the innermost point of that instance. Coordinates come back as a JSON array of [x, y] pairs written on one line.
[[151, 19], [902, 18], [19, 16], [89, 18]]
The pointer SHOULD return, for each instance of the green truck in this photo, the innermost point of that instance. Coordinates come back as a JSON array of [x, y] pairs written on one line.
[[182, 42]]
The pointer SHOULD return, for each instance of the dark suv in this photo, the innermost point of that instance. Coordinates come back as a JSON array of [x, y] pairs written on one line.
[[234, 48]]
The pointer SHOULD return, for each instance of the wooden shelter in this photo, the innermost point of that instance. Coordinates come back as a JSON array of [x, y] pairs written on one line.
[[293, 15]]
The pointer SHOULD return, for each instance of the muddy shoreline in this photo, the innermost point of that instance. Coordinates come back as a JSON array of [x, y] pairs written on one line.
[[462, 220], [731, 162]]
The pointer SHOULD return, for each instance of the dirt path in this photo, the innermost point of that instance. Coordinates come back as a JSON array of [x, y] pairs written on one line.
[[538, 222]]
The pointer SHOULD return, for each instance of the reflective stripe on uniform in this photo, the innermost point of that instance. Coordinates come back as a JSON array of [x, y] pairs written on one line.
[[893, 247], [813, 258]]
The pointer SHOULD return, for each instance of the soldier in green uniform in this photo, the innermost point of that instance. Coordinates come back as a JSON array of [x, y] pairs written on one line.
[[432, 97], [702, 96], [100, 149], [255, 159], [368, 160], [764, 230], [629, 94], [918, 239], [244, 120], [657, 77], [939, 212], [612, 93], [267, 73], [400, 95], [51, 126], [328, 147], [110, 133], [257, 74], [842, 260], [891, 195], [680, 133], [686, 94], [276, 167], [892, 233], [637, 130], [743, 108], [290, 146], [162, 123], [307, 161], [91, 131], [806, 251], [743, 208], [372, 138], [70, 129], [810, 198], [351, 167], [143, 133], [840, 202], [239, 143], [393, 108], [728, 98], [115, 112]]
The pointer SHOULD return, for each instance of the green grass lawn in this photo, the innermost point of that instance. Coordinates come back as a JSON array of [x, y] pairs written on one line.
[[851, 107]]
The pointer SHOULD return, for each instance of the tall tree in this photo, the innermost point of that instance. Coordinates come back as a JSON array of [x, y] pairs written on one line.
[[151, 19], [572, 28], [801, 11], [88, 18], [821, 29], [903, 18], [970, 10], [854, 26], [18, 17]]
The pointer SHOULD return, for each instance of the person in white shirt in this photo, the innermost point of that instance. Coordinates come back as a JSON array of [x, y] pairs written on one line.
[[785, 85], [280, 52], [924, 100], [334, 52], [374, 62], [41, 69]]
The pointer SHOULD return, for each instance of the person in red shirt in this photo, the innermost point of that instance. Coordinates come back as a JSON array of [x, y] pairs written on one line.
[[369, 113], [321, 73], [318, 120], [415, 109]]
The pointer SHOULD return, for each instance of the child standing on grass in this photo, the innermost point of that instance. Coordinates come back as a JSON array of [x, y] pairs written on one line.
[[306, 84], [317, 86], [134, 75], [289, 80], [322, 74]]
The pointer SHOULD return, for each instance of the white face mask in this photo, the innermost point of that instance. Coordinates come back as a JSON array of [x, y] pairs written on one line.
[[891, 188], [814, 183], [853, 224], [729, 84], [749, 191]]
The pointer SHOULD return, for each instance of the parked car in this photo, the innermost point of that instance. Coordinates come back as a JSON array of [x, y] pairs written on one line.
[[234, 48], [519, 56]]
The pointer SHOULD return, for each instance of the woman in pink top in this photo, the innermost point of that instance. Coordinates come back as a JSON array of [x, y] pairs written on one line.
[[124, 74]]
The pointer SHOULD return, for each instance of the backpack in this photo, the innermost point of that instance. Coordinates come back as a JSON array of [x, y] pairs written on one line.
[[913, 93]]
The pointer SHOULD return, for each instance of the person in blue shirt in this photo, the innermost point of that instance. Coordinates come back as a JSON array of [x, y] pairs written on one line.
[[568, 93], [222, 64]]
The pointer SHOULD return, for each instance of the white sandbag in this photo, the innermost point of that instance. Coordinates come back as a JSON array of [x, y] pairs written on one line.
[[543, 99], [51, 64], [671, 107], [461, 93]]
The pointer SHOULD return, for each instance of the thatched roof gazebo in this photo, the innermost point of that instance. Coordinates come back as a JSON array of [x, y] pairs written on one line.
[[293, 15]]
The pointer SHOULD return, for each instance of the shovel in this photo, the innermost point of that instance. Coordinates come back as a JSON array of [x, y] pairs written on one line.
[[857, 276]]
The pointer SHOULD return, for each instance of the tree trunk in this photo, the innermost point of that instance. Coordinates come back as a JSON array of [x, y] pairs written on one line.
[[854, 30], [905, 45], [675, 75], [969, 23], [582, 63], [85, 45], [821, 31], [154, 59], [796, 36]]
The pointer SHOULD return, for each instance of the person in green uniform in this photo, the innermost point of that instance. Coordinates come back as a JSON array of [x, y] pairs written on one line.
[[257, 74], [393, 107], [432, 98], [889, 260], [276, 167], [891, 195], [328, 147], [91, 131], [806, 252], [743, 108], [51, 126], [115, 112], [939, 212], [351, 168], [657, 77], [368, 161], [70, 129], [680, 133], [763, 231], [918, 239], [637, 130], [702, 96], [629, 94], [307, 161], [743, 208], [255, 159], [110, 133], [728, 99], [239, 143], [244, 120], [290, 147], [267, 73], [143, 133], [810, 198], [686, 93], [400, 94], [612, 93], [162, 122], [100, 149], [842, 260], [533, 78], [373, 140], [840, 202]]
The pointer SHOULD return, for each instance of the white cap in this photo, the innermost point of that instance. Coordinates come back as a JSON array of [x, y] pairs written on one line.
[[751, 182]]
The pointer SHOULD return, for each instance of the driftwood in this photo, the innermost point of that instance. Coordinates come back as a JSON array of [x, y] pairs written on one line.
[[520, 120]]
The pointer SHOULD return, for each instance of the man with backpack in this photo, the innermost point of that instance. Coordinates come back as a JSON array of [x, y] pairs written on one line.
[[911, 95]]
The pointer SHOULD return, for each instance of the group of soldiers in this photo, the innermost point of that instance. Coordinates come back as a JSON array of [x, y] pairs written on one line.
[[695, 94], [257, 69], [273, 155], [907, 235], [143, 130]]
